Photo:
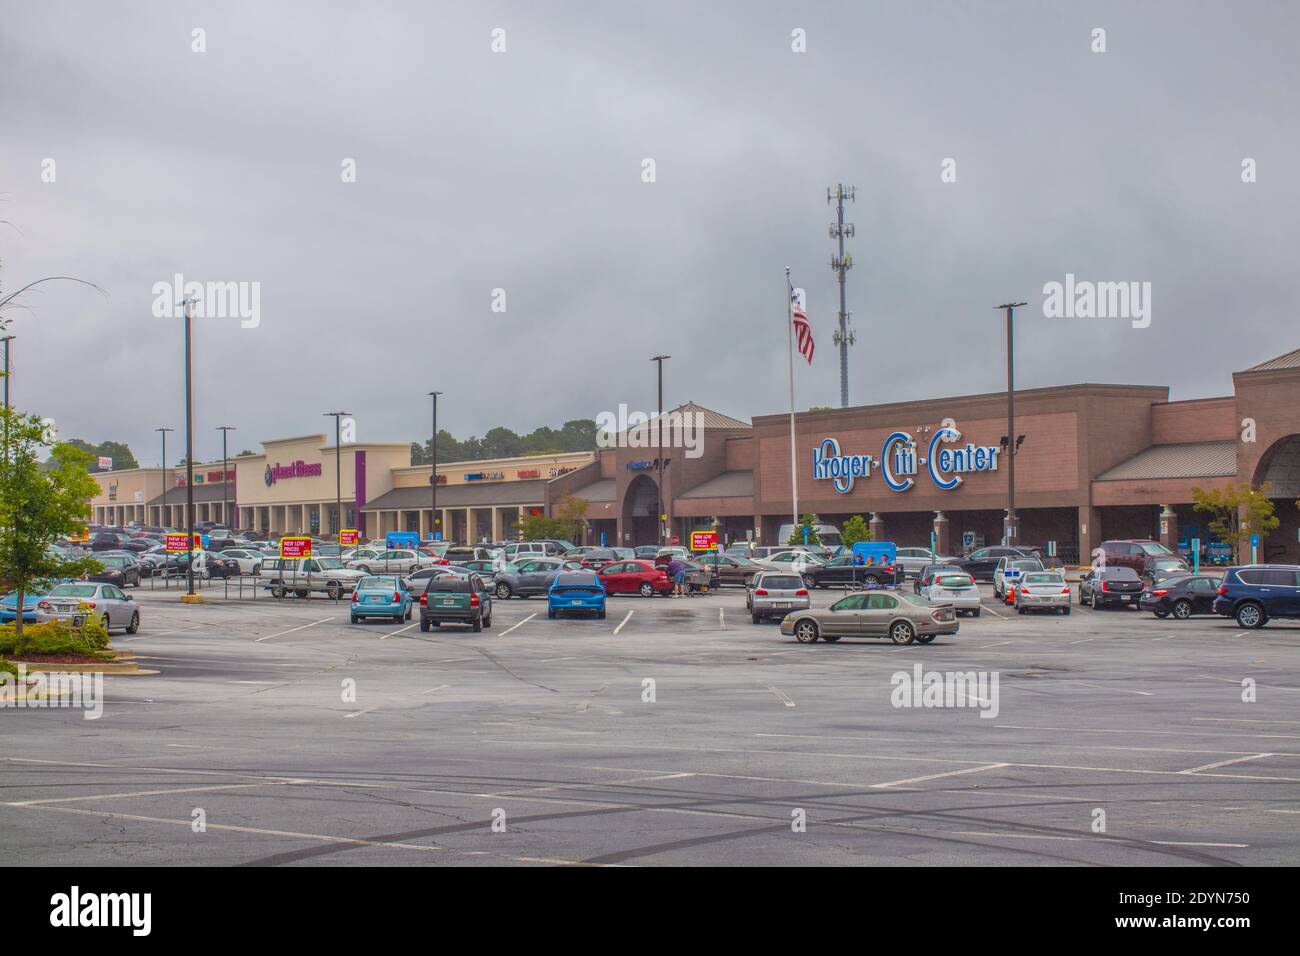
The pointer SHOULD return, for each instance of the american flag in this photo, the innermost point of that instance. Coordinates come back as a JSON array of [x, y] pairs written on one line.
[[803, 337]]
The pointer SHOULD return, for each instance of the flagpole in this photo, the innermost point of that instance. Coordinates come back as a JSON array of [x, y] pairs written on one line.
[[789, 334]]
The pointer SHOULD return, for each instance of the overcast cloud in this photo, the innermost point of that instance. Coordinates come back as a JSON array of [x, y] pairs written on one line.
[[522, 171]]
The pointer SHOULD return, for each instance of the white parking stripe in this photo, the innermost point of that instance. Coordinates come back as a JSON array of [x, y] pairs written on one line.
[[937, 776], [722, 619], [520, 624], [780, 695], [994, 613], [324, 620], [623, 622], [395, 633], [1224, 763]]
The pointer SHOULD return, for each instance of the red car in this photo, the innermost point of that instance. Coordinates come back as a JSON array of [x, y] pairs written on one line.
[[635, 577]]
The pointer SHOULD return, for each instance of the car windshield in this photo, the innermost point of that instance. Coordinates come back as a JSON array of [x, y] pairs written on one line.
[[1028, 565], [1120, 574], [911, 598], [111, 562], [781, 582], [1044, 579], [576, 580], [1152, 547], [74, 590], [377, 584], [330, 564], [1168, 564], [953, 580]]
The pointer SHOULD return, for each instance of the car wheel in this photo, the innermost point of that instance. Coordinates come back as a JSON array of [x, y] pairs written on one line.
[[487, 621], [805, 632], [925, 638], [424, 625], [977, 612], [1161, 613], [647, 589], [503, 591], [477, 624], [601, 614], [277, 592], [1182, 610], [355, 619], [333, 591], [135, 623], [107, 625], [550, 613], [1096, 604], [1250, 616], [1065, 610], [302, 593], [257, 569], [809, 581], [1019, 609], [902, 632], [755, 618], [872, 580], [365, 568]]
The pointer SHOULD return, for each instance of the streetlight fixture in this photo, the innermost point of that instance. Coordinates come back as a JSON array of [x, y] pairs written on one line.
[[1012, 530], [162, 508], [225, 474], [659, 462], [189, 595], [434, 530], [338, 470]]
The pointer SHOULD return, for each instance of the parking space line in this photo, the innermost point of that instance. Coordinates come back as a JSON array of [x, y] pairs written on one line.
[[623, 622], [324, 620], [722, 619], [937, 776], [990, 609], [780, 695], [146, 793], [520, 624], [1225, 763], [395, 633]]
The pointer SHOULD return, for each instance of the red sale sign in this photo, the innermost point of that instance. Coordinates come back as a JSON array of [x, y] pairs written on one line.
[[295, 547], [180, 542], [349, 537], [704, 541]]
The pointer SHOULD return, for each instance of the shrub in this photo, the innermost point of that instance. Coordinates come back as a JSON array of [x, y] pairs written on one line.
[[7, 668], [53, 637]]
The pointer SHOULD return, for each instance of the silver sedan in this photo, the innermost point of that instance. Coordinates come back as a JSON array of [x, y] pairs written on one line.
[[898, 615], [74, 602]]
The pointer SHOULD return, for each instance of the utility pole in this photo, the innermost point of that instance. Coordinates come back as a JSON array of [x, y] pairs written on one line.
[[433, 470], [1012, 447], [338, 471], [163, 510], [189, 448], [225, 475], [840, 264], [7, 339], [659, 462]]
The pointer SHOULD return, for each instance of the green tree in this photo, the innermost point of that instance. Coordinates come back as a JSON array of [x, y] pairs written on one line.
[[39, 505], [810, 523], [567, 525], [853, 530], [1226, 505]]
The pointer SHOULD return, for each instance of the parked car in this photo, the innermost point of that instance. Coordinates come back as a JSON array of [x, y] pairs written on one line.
[[9, 607], [302, 576], [459, 554], [1130, 553], [518, 550], [828, 534], [247, 560], [912, 560], [529, 576], [925, 577], [790, 560], [1008, 573], [1181, 597], [775, 594], [1041, 591], [595, 558], [1254, 594], [731, 569], [845, 571], [78, 600], [902, 617], [214, 564], [982, 562], [381, 596], [635, 577], [1110, 587], [953, 587], [393, 561], [1157, 570], [106, 541], [575, 591], [416, 581], [117, 569], [646, 552], [456, 599]]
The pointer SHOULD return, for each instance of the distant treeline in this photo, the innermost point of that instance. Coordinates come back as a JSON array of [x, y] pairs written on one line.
[[501, 442]]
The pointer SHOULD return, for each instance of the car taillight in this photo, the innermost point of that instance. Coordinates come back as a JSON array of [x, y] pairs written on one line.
[[1024, 592], [354, 597], [90, 604], [937, 616], [1065, 590], [1222, 590], [473, 599], [1161, 592], [396, 597], [424, 600], [1105, 585], [802, 592], [760, 592], [43, 605]]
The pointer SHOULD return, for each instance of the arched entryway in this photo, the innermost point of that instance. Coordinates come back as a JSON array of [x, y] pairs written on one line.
[[641, 511], [1279, 469]]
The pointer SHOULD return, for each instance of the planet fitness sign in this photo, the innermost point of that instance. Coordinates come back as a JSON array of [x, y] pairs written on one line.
[[899, 463], [299, 469]]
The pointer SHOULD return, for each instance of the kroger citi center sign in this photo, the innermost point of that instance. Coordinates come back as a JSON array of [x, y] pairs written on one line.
[[899, 463]]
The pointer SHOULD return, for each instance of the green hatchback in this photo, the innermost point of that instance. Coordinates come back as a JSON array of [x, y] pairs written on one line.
[[456, 599]]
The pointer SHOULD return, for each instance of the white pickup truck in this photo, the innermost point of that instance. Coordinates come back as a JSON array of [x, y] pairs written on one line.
[[302, 576]]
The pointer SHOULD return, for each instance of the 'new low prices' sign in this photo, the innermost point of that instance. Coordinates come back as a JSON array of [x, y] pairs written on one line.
[[295, 547], [349, 537], [180, 542], [704, 541]]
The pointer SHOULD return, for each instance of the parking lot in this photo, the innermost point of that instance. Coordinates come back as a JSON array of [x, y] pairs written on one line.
[[673, 731]]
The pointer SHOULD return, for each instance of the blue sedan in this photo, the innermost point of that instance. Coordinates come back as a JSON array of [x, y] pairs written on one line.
[[381, 596], [575, 591], [9, 603]]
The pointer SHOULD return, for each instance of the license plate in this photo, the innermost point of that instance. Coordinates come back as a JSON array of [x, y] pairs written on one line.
[[781, 604], [375, 599], [1128, 597], [448, 602], [575, 602]]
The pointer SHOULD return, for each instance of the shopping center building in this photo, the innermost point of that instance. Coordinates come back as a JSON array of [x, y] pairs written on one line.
[[1092, 462]]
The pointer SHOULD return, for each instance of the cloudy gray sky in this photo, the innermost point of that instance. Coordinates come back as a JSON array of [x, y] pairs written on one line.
[[522, 171]]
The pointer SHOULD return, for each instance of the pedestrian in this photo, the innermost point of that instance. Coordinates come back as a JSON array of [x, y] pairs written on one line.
[[677, 571]]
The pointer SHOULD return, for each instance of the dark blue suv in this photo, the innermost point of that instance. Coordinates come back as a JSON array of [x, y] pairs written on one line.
[[1256, 592]]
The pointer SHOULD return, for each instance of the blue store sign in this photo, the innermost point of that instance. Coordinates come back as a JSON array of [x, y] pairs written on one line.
[[899, 462]]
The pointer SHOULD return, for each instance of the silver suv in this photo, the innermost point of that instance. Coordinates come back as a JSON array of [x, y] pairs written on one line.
[[775, 594]]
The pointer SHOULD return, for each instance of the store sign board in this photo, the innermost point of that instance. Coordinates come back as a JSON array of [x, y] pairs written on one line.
[[704, 541], [349, 537], [295, 547], [899, 463]]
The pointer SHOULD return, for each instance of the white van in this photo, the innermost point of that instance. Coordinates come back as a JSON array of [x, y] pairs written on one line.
[[829, 534]]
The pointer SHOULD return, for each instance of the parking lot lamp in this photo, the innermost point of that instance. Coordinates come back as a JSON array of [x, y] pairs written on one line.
[[225, 475], [433, 469], [659, 462], [162, 507], [338, 470], [1012, 529], [189, 446]]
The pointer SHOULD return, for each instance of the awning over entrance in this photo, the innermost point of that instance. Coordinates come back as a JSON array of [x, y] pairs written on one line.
[[729, 484], [469, 495], [598, 492], [1202, 459], [202, 493]]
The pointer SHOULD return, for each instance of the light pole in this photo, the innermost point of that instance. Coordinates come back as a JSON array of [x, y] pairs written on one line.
[[659, 462], [162, 508], [1012, 525], [225, 475], [338, 471], [433, 470], [189, 446], [7, 339]]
